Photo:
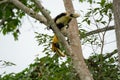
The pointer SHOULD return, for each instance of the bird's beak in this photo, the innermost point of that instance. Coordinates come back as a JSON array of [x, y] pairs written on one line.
[[76, 15]]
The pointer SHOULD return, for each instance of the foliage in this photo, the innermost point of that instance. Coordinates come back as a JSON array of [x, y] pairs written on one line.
[[10, 17], [53, 67], [90, 1], [104, 67], [46, 68], [100, 13], [97, 17], [44, 40]]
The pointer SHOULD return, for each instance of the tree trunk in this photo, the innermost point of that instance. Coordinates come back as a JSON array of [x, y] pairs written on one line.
[[77, 57], [116, 7]]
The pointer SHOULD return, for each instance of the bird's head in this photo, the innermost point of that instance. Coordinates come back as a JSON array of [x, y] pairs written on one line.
[[74, 15]]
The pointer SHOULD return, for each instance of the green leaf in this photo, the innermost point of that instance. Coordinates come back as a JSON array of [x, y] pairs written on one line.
[[84, 20], [15, 34], [90, 1], [103, 2], [4, 31], [81, 0], [103, 22], [88, 21]]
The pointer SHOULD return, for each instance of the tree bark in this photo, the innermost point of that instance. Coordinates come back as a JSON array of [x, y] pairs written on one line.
[[73, 35], [116, 7]]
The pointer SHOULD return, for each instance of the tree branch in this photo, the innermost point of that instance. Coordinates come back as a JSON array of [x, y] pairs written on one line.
[[100, 30], [3, 1], [53, 26], [29, 11]]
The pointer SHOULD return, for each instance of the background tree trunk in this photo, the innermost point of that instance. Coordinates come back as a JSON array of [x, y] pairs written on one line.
[[73, 35], [116, 7]]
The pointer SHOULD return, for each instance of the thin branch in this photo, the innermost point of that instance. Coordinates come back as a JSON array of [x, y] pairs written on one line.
[[102, 43], [4, 1], [29, 11], [100, 30], [97, 27], [105, 33], [53, 26]]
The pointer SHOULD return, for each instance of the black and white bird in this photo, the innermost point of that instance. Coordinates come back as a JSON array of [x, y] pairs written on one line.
[[62, 22]]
